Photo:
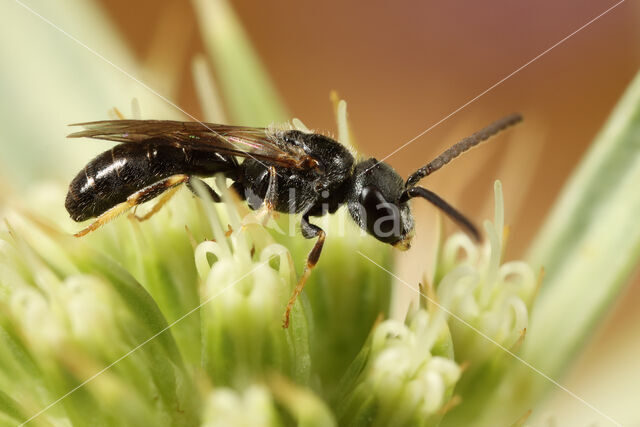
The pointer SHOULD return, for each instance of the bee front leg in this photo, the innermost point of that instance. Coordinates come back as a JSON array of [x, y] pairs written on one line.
[[137, 198], [309, 231]]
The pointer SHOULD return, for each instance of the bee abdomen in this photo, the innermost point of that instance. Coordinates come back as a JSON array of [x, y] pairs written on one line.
[[114, 175]]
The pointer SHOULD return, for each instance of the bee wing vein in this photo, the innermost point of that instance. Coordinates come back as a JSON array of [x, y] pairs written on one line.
[[258, 143]]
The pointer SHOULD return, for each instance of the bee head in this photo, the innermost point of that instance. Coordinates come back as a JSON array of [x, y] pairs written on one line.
[[378, 205]]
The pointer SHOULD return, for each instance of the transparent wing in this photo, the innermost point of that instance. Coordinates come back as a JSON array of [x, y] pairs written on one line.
[[257, 143]]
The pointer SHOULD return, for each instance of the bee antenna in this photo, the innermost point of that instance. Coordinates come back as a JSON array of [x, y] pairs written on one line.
[[462, 146], [445, 207]]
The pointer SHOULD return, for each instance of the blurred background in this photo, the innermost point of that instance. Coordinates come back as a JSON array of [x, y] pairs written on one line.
[[401, 68]]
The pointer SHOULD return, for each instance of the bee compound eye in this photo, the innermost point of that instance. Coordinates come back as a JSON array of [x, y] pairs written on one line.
[[382, 217], [371, 198]]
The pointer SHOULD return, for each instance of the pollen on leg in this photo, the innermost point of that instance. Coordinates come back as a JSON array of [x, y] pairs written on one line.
[[105, 218]]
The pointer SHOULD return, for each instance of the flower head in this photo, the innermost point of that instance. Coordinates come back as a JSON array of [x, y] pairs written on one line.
[[406, 373], [483, 293], [488, 302]]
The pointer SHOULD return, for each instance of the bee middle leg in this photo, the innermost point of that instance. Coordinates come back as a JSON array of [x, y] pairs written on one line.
[[135, 199], [270, 199], [309, 231]]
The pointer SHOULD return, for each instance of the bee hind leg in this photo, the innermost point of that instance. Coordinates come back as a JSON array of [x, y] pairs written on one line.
[[137, 198]]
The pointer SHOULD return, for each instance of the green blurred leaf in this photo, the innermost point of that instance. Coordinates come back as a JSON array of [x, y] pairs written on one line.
[[590, 244]]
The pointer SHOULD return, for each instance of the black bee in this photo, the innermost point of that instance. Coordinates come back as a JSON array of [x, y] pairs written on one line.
[[280, 170]]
